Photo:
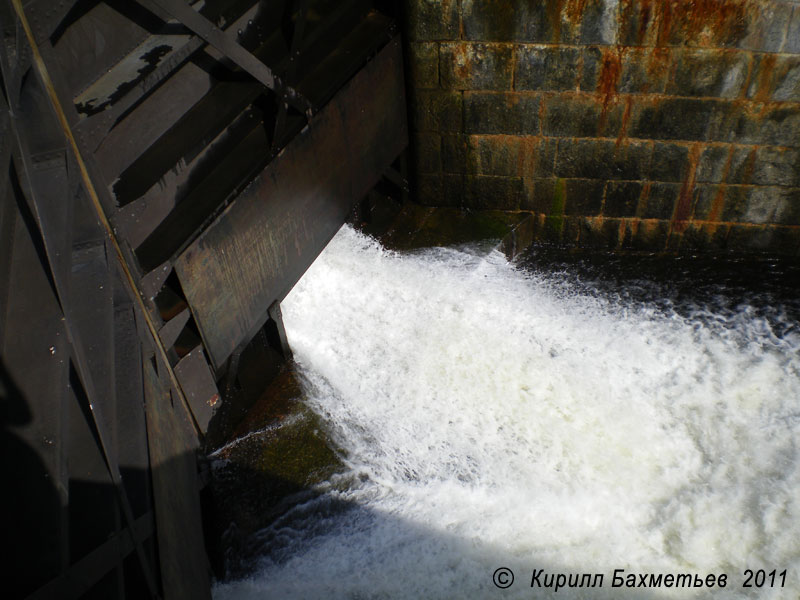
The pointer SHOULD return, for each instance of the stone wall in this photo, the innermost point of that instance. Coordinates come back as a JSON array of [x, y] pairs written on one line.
[[650, 124]]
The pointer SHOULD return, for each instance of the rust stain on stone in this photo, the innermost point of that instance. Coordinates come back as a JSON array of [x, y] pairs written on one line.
[[749, 166], [684, 208], [658, 63], [645, 13], [609, 75], [462, 62], [637, 21], [765, 74], [704, 22], [609, 79], [574, 10], [528, 154], [621, 232], [719, 198], [642, 204], [626, 117], [716, 204], [554, 8]]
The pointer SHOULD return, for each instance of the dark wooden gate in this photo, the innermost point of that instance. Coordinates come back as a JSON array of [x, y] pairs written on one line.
[[170, 170]]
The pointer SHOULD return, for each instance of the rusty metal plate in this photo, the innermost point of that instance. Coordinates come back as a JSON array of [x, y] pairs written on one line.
[[261, 245]]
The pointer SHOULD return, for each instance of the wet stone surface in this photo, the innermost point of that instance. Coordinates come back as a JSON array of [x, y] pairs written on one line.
[[273, 461]]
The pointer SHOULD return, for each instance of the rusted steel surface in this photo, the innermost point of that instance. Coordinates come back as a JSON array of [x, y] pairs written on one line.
[[258, 248]]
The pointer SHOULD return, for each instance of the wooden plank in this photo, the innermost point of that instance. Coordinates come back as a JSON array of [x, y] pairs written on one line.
[[258, 248], [181, 551], [198, 385], [34, 361]]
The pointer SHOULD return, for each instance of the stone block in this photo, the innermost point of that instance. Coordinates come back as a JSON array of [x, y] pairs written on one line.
[[706, 197], [436, 110], [711, 166], [622, 198], [638, 23], [427, 152], [497, 20], [510, 156], [502, 193], [775, 78], [704, 237], [509, 113], [584, 197], [772, 205], [772, 238], [708, 24], [475, 66], [767, 26], [568, 115], [494, 155], [539, 195], [672, 118], [591, 66], [599, 233], [776, 166], [756, 123], [424, 64], [602, 159], [430, 20], [598, 22], [452, 190], [715, 73], [736, 200], [670, 162], [644, 70], [659, 201], [454, 153], [544, 165], [749, 238], [429, 189], [549, 69], [651, 235], [762, 206], [792, 43], [741, 165]]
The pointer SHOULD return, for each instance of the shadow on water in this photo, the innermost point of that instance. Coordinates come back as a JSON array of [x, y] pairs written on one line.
[[768, 286], [320, 545]]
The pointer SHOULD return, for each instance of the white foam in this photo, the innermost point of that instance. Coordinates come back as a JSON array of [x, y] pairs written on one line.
[[497, 418]]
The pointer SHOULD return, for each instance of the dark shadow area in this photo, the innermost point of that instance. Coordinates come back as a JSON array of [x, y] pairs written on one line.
[[30, 505], [769, 285], [307, 525], [65, 535]]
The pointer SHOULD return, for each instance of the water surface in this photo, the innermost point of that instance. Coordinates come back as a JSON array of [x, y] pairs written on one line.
[[559, 414]]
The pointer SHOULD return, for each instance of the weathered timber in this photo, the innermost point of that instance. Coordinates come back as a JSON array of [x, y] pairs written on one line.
[[259, 247]]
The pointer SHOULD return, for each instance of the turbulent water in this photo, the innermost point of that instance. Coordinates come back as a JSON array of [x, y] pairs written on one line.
[[492, 416]]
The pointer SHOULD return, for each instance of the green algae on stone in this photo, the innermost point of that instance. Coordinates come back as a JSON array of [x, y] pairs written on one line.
[[298, 451], [275, 459]]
